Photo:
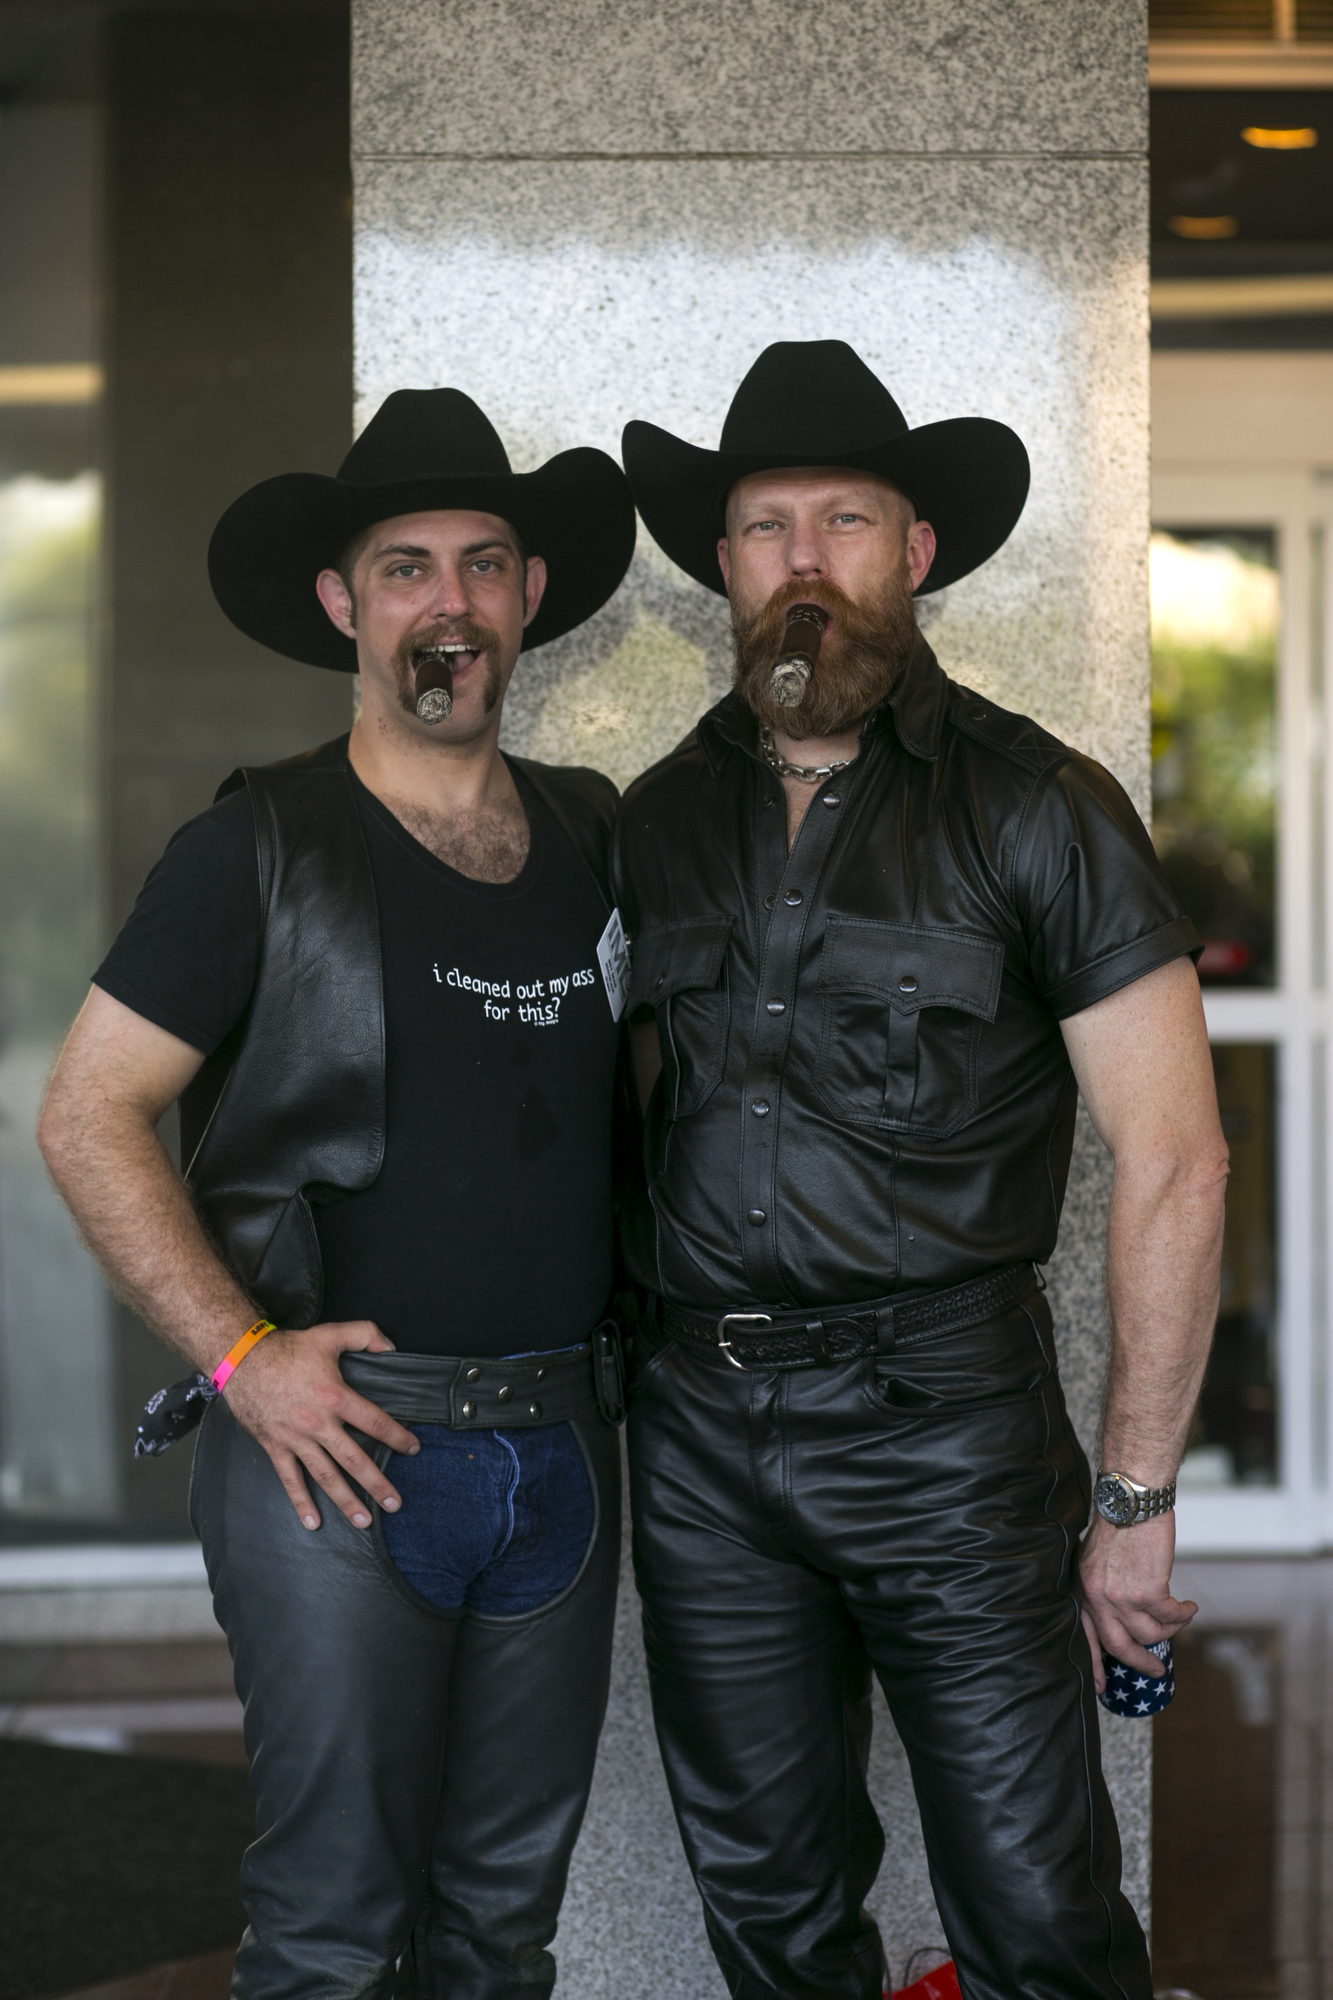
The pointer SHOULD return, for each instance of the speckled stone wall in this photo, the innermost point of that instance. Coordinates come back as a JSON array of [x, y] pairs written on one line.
[[604, 210]]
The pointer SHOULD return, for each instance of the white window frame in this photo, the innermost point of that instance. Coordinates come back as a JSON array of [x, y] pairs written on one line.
[[1297, 1513]]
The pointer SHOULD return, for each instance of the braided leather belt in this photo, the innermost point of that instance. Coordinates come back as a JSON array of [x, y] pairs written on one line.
[[816, 1336]]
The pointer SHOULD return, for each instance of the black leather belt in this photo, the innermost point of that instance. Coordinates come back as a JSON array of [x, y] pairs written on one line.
[[814, 1336], [483, 1392], [454, 1389]]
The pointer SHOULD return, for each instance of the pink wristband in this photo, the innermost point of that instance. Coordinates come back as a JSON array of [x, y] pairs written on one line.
[[232, 1360]]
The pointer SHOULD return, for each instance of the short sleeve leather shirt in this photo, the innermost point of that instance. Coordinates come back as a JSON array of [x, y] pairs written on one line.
[[864, 1083]]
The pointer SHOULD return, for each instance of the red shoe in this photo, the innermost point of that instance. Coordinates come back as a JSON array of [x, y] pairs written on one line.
[[941, 1984]]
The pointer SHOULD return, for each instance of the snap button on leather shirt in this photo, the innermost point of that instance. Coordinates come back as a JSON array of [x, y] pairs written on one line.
[[864, 1083]]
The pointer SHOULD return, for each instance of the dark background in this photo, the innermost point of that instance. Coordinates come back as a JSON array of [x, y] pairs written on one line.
[[221, 241], [1282, 203]]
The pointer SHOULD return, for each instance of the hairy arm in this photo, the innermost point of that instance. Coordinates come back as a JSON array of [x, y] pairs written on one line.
[[1142, 1063], [117, 1074]]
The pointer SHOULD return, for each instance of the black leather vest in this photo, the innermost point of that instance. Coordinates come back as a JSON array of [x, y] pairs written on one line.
[[289, 1110]]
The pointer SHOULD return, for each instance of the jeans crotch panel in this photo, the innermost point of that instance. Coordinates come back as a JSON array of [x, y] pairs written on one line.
[[770, 1452], [515, 1474]]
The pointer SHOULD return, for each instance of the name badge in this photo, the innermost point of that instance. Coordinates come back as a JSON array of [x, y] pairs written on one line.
[[613, 957]]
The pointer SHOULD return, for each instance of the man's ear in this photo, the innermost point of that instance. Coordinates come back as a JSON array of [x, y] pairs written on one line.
[[336, 598], [724, 561], [534, 588], [920, 551]]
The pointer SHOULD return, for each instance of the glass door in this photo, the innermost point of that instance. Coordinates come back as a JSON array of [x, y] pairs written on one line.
[[60, 1429], [1238, 589]]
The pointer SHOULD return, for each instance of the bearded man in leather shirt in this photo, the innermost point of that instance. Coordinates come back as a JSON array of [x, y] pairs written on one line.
[[371, 976], [888, 937]]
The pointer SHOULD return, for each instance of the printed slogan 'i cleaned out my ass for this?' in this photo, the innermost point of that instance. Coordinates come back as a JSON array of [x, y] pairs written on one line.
[[537, 1003]]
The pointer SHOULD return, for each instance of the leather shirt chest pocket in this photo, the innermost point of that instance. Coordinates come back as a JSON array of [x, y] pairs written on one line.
[[902, 1013], [680, 970]]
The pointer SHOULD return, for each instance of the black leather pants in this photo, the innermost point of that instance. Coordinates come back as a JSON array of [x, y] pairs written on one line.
[[915, 1513], [419, 1776]]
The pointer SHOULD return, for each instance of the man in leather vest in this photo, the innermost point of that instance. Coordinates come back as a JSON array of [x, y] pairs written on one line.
[[380, 979], [888, 932]]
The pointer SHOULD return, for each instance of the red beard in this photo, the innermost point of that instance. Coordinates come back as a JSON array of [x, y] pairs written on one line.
[[859, 662]]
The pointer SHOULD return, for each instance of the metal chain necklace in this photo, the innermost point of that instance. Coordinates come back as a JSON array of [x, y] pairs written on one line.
[[808, 774]]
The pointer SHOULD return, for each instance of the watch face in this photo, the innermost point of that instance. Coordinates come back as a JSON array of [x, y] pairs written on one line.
[[1117, 1501]]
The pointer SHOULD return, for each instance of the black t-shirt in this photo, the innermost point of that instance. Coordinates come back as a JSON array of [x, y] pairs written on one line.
[[488, 1230]]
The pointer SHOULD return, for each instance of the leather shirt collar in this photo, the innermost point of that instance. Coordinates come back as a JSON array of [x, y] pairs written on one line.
[[916, 706]]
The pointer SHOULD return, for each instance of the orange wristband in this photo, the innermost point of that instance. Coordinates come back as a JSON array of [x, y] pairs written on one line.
[[231, 1361]]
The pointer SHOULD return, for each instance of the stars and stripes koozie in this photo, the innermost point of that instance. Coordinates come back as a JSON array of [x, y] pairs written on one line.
[[1128, 1692]]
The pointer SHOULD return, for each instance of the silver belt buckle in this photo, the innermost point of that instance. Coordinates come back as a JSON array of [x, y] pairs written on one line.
[[727, 1320]]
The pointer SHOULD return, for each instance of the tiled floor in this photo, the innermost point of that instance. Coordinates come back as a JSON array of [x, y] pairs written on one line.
[[1214, 1781], [204, 1978], [1243, 1786], [170, 1699], [1243, 1812]]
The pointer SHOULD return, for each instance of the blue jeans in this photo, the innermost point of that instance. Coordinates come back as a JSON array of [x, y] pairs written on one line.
[[491, 1521]]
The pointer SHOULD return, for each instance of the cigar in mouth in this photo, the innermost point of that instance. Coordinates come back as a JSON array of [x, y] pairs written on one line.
[[435, 681], [800, 649]]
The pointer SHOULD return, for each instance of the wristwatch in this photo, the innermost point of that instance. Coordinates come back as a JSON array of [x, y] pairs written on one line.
[[1123, 1502]]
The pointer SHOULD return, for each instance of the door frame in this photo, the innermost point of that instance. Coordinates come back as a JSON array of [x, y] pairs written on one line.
[[1296, 1514]]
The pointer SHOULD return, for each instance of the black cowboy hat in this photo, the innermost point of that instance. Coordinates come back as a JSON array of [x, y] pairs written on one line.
[[423, 449], [814, 402]]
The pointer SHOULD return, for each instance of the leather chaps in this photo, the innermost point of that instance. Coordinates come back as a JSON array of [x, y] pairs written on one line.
[[419, 1776], [914, 1513]]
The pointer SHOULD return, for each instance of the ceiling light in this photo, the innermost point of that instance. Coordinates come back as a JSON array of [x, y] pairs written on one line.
[[1295, 295], [1203, 228], [1280, 138], [51, 382]]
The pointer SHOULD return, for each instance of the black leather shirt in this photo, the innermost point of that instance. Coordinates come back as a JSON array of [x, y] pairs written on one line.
[[864, 1083]]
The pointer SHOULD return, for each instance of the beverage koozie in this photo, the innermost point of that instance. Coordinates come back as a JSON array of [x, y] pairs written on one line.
[[1128, 1692]]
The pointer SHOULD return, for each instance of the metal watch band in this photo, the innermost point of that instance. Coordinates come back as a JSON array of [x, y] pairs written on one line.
[[1123, 1502]]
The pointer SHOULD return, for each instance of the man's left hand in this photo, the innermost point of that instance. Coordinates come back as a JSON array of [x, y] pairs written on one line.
[[1125, 1581]]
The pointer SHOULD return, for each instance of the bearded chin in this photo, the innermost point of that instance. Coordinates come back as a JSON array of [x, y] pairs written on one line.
[[859, 664]]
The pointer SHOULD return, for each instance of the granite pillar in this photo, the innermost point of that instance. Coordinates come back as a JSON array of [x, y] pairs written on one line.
[[597, 211]]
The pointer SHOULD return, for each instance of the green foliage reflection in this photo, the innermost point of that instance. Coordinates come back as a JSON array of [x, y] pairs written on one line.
[[48, 554], [1214, 741]]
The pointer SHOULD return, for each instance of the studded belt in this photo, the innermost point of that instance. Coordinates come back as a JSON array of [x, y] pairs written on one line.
[[813, 1336], [486, 1392]]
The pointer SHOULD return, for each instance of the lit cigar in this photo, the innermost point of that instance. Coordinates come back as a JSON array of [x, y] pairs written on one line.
[[435, 686], [800, 649]]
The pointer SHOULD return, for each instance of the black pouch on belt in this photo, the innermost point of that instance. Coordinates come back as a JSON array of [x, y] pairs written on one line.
[[608, 1371], [172, 1414]]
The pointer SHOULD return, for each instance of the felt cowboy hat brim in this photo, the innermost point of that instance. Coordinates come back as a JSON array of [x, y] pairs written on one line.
[[816, 403], [425, 450]]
